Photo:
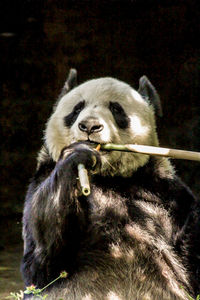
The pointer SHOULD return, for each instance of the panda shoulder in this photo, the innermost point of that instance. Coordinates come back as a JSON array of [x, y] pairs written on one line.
[[44, 161]]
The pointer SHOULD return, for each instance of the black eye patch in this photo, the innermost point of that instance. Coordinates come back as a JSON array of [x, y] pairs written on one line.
[[71, 118], [119, 115]]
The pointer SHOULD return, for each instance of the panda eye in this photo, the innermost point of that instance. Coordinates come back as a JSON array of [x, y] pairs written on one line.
[[77, 109], [115, 107], [119, 115], [71, 118]]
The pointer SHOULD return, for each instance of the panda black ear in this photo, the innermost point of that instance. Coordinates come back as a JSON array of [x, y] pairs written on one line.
[[149, 93], [71, 82]]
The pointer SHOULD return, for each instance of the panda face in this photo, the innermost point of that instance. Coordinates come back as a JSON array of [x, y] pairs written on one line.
[[103, 111]]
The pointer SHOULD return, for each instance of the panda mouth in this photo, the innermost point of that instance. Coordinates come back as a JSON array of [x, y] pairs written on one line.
[[93, 144]]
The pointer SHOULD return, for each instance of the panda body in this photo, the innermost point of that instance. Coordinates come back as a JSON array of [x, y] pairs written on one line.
[[132, 237]]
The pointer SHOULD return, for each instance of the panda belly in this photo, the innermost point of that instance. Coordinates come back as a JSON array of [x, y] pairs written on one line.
[[125, 255]]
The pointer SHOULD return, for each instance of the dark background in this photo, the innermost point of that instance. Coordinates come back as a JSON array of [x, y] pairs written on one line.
[[41, 40]]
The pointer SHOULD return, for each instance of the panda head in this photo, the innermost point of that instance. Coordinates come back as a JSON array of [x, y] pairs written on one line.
[[105, 110]]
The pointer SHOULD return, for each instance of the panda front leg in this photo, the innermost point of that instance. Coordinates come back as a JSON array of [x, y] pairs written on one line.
[[54, 218]]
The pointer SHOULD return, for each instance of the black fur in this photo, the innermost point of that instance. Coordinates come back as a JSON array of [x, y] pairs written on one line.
[[119, 115], [149, 93], [71, 118], [70, 83], [76, 233]]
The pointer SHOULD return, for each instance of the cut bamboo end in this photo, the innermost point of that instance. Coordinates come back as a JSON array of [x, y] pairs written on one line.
[[84, 180], [98, 147]]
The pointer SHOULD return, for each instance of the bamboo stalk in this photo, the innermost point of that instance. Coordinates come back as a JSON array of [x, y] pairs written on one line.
[[152, 150], [84, 180], [83, 175], [142, 149]]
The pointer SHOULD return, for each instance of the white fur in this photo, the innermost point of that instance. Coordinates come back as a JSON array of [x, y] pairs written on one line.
[[97, 94]]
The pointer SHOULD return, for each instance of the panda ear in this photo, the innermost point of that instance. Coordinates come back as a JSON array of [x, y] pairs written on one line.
[[149, 93], [71, 82]]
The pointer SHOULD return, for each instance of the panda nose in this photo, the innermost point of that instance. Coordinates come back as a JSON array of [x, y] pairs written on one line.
[[90, 126]]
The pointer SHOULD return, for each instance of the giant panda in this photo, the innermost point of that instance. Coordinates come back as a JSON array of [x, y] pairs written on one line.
[[136, 236]]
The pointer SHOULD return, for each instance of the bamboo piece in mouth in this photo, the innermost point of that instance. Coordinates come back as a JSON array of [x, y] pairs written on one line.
[[142, 149], [152, 150]]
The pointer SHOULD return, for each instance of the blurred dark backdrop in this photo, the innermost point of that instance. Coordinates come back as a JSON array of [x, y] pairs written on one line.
[[41, 40]]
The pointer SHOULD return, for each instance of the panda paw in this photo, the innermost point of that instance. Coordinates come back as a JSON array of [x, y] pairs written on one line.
[[81, 153]]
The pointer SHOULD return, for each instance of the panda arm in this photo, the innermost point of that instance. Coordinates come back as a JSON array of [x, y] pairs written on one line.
[[184, 207], [55, 197], [187, 240], [53, 213]]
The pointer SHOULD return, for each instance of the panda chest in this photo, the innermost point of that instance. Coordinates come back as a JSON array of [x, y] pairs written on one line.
[[133, 221], [108, 212]]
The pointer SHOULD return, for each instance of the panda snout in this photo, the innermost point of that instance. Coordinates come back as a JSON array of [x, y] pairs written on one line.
[[90, 126]]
